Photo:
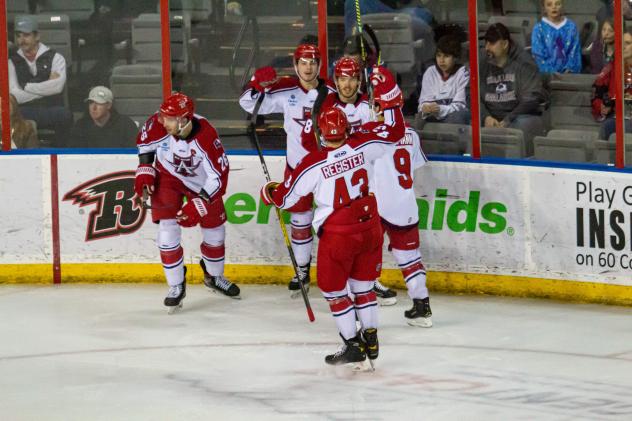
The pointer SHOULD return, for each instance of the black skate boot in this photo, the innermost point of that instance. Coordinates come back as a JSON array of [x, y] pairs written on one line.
[[303, 275], [352, 352], [385, 295], [173, 300], [420, 315], [220, 284], [372, 344]]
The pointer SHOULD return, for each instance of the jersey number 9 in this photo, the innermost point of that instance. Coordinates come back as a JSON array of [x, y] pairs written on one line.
[[401, 159]]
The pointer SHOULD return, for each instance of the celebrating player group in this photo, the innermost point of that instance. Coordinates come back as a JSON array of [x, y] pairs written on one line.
[[349, 179]]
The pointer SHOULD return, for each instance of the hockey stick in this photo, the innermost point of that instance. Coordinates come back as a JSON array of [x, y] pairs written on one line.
[[378, 50], [255, 140], [322, 95]]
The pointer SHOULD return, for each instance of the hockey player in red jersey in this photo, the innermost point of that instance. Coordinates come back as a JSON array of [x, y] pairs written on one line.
[[347, 97], [393, 187], [347, 223], [294, 97], [185, 170]]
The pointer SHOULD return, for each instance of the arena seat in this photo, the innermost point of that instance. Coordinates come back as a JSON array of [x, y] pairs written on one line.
[[445, 139], [54, 31], [401, 53], [76, 10], [146, 46], [605, 150], [502, 143], [570, 102], [560, 149], [137, 90]]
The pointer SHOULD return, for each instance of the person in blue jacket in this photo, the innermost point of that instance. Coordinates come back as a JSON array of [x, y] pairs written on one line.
[[555, 41]]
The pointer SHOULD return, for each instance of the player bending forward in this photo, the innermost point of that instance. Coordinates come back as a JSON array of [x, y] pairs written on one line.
[[397, 205], [347, 223], [294, 97], [185, 170]]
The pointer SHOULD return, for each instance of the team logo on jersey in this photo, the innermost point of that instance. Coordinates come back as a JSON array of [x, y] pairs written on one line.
[[117, 211], [184, 165], [307, 114], [292, 100]]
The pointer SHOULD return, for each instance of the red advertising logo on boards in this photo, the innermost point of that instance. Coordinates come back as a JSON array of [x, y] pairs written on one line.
[[116, 210]]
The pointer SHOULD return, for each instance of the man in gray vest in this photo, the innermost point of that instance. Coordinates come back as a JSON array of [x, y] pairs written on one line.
[[37, 76]]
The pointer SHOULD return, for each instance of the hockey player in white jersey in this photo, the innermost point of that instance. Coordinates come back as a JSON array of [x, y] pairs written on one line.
[[294, 97], [347, 223], [190, 164], [397, 205], [347, 97], [355, 105]]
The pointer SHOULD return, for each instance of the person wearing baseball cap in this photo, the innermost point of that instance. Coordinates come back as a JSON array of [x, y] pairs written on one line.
[[512, 92], [102, 126], [37, 78]]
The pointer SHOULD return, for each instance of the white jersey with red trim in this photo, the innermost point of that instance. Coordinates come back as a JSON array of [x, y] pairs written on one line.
[[198, 161], [337, 176], [286, 96], [394, 179], [358, 113]]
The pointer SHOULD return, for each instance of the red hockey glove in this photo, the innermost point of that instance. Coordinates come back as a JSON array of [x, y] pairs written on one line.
[[192, 213], [145, 177], [266, 192], [263, 78]]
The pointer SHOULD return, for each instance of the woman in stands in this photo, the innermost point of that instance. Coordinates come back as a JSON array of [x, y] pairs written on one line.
[[555, 41], [443, 97], [604, 91], [602, 51], [23, 134]]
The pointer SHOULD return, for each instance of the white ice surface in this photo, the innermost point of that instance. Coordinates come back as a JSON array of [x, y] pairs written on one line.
[[110, 352]]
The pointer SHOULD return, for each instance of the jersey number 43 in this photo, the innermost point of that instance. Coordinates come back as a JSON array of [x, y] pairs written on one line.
[[341, 192]]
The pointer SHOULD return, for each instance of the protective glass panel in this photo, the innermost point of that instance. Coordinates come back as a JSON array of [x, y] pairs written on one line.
[[98, 69], [539, 63]]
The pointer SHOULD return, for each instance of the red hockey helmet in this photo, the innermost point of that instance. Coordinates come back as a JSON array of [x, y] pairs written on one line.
[[306, 51], [347, 66], [386, 93], [177, 105], [333, 124]]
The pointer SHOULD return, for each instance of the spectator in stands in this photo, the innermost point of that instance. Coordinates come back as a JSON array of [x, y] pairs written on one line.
[[607, 11], [443, 89], [23, 133], [421, 17], [102, 126], [37, 77], [512, 94], [604, 91], [602, 50], [555, 41]]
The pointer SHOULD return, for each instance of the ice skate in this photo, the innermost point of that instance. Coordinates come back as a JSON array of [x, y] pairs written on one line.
[[353, 353], [303, 275], [173, 300], [220, 284], [420, 314], [385, 295], [372, 343]]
